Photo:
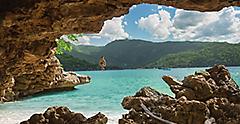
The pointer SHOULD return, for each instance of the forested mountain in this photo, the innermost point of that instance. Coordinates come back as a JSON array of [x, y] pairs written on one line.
[[141, 54]]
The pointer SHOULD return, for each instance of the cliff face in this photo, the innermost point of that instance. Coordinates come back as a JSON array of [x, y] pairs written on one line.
[[28, 29]]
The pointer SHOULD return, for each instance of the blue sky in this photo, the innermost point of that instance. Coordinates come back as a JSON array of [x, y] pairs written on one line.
[[162, 23], [139, 11]]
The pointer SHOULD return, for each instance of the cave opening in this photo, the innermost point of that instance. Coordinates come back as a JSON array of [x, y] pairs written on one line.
[[28, 64], [166, 26]]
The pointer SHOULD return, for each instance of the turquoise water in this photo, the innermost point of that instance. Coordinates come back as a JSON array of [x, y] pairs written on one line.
[[104, 93]]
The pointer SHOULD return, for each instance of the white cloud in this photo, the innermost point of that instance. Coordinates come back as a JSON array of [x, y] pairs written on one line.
[[170, 7], [163, 7], [114, 29], [211, 26], [95, 36], [184, 25], [193, 25], [136, 22], [186, 22], [159, 7], [133, 7], [154, 10], [156, 24], [84, 40]]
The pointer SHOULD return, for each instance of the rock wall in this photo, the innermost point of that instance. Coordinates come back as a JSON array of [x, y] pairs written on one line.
[[209, 97], [28, 29]]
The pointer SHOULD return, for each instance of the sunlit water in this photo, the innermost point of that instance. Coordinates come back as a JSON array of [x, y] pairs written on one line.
[[104, 93]]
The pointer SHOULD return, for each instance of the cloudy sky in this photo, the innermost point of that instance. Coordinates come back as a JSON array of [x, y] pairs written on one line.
[[160, 23]]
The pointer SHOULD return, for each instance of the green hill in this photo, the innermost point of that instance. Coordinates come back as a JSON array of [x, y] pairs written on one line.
[[139, 54], [75, 64], [217, 53]]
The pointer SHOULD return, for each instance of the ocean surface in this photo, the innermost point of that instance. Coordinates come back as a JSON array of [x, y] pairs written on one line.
[[104, 93]]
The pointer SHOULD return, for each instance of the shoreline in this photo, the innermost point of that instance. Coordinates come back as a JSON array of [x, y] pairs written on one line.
[[149, 68], [15, 117], [93, 98]]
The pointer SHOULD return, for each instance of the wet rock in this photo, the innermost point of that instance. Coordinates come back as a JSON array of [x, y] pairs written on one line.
[[209, 97], [62, 115]]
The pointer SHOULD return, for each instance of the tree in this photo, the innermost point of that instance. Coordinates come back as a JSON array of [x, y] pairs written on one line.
[[63, 45]]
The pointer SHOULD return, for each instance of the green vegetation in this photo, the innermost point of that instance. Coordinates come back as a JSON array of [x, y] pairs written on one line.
[[222, 53], [131, 53], [75, 64], [74, 37], [62, 46], [144, 54]]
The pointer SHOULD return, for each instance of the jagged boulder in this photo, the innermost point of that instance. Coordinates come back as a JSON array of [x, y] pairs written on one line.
[[180, 110], [214, 82], [209, 97], [62, 115]]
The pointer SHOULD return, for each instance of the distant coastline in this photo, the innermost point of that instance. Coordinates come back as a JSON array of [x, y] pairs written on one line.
[[133, 54], [116, 69]]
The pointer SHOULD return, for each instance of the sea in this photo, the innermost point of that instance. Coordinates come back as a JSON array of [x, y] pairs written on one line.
[[104, 94]]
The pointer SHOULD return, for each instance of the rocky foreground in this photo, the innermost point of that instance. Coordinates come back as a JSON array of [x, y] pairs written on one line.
[[62, 115], [29, 28], [207, 97]]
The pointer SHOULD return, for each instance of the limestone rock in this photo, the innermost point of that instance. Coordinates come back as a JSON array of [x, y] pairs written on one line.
[[171, 81], [208, 97], [28, 29], [223, 111], [214, 82], [43, 75], [180, 111], [62, 115]]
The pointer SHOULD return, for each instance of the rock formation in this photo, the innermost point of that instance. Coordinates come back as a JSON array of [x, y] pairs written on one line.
[[28, 29], [33, 75], [209, 97], [62, 115]]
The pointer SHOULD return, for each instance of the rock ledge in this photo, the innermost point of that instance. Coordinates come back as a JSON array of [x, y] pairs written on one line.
[[30, 79]]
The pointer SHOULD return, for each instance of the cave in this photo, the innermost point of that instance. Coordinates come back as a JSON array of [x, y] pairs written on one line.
[[29, 28]]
